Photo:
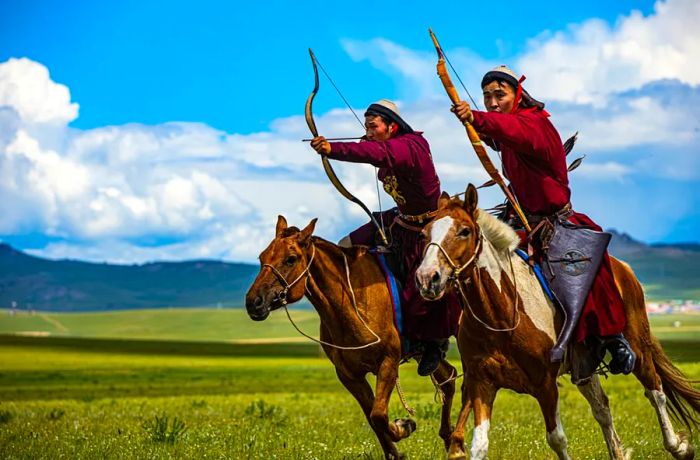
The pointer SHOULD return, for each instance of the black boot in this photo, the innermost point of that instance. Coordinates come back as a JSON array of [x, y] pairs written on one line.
[[433, 352], [623, 358]]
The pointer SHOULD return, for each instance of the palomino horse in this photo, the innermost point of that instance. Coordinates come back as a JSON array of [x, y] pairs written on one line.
[[349, 292], [508, 328]]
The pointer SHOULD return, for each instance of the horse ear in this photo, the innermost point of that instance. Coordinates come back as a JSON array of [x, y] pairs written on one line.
[[281, 225], [305, 234], [443, 200], [471, 199]]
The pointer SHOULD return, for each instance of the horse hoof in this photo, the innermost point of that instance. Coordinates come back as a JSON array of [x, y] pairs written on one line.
[[457, 456], [685, 450], [407, 425], [456, 452]]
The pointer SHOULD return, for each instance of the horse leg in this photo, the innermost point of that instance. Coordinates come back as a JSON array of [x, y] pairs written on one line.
[[444, 376], [548, 399], [386, 381], [677, 445], [456, 449], [598, 401], [482, 394], [362, 391]]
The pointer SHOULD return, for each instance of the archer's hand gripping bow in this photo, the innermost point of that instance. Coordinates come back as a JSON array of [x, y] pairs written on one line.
[[474, 136], [326, 163]]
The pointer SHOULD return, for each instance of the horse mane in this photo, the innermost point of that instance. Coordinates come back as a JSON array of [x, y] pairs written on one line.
[[498, 233]]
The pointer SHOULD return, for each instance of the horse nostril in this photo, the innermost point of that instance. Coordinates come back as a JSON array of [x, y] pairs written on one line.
[[435, 278], [258, 301]]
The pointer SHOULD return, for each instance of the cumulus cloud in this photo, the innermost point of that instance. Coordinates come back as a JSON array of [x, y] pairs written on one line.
[[25, 86], [590, 61], [134, 193]]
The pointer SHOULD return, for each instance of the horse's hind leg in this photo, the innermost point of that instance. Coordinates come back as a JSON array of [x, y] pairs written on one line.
[[677, 445], [598, 401], [362, 391], [445, 378], [548, 399]]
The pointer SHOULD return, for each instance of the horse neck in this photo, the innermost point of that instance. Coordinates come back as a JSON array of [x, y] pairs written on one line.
[[328, 290], [490, 291]]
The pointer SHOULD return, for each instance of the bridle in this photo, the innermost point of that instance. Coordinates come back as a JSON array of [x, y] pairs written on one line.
[[282, 298], [458, 269], [286, 286]]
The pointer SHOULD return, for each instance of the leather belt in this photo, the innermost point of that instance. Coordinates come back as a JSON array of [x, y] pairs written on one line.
[[419, 218], [563, 214]]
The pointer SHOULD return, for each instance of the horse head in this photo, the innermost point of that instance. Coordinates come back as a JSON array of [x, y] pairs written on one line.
[[284, 266], [453, 241]]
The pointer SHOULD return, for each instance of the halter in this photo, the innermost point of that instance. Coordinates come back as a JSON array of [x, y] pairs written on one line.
[[457, 270], [282, 296]]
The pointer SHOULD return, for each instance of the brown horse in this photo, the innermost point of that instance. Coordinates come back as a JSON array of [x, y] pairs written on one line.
[[349, 292], [508, 328]]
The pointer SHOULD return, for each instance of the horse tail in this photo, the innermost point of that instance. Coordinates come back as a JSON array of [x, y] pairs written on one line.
[[683, 398]]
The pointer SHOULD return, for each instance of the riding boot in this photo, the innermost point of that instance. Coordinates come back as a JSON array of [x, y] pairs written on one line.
[[434, 351], [623, 358], [571, 314]]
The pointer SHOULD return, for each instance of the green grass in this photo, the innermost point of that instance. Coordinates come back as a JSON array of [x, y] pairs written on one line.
[[76, 398], [221, 325], [101, 397], [201, 324]]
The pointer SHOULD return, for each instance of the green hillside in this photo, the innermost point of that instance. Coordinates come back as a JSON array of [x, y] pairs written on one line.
[[66, 285], [223, 325], [196, 324], [33, 283]]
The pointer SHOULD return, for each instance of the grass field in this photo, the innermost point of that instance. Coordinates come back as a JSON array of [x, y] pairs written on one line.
[[79, 397]]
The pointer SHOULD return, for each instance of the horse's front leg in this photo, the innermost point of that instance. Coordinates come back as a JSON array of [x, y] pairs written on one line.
[[362, 391], [386, 381], [445, 379], [455, 450], [482, 393]]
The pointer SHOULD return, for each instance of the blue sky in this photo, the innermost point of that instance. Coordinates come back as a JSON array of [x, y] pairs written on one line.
[[166, 130]]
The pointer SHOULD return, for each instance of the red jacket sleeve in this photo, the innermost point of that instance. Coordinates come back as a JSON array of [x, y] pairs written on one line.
[[397, 153], [522, 131]]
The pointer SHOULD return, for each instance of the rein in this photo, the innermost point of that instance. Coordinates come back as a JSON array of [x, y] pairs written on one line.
[[288, 286]]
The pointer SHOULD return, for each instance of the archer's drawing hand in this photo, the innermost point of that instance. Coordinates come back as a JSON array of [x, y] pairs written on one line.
[[463, 112], [321, 145]]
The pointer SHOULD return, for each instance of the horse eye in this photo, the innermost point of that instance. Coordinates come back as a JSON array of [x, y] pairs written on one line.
[[465, 232], [291, 260]]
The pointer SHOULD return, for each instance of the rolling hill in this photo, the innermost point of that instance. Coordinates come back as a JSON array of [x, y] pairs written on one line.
[[667, 272]]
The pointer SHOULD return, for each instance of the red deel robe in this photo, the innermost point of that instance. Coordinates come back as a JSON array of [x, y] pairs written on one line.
[[535, 164], [406, 168]]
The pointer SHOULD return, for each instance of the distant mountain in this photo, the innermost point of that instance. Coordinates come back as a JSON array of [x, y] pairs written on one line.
[[67, 285], [668, 271]]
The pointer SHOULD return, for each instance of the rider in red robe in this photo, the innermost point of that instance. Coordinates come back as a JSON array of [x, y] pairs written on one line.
[[534, 161], [407, 171]]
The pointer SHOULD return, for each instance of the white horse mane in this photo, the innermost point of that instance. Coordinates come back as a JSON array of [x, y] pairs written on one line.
[[498, 233]]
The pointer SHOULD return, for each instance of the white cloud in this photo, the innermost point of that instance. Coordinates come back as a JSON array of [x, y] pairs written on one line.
[[173, 191], [25, 86], [590, 61]]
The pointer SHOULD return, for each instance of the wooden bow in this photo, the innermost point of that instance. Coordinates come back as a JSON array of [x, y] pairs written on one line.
[[473, 135], [308, 113]]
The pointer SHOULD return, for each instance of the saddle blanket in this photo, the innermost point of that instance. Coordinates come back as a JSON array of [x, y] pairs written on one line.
[[538, 273]]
